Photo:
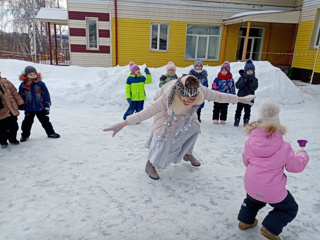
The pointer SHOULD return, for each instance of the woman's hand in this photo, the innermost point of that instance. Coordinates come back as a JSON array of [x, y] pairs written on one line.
[[247, 99], [116, 127]]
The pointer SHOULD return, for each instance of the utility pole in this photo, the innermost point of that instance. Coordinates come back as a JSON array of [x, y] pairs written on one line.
[[34, 33]]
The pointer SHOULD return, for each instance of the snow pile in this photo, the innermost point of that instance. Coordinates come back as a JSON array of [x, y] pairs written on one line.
[[88, 185], [96, 86]]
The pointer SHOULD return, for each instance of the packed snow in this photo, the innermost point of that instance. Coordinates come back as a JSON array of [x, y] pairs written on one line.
[[88, 185]]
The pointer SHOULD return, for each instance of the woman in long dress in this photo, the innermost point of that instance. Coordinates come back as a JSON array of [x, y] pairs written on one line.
[[176, 126]]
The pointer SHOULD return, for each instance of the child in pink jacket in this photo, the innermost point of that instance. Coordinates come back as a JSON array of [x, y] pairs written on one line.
[[265, 156]]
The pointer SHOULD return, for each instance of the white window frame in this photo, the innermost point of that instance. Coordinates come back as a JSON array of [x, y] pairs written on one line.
[[315, 45], [253, 40], [207, 46], [87, 33], [158, 37]]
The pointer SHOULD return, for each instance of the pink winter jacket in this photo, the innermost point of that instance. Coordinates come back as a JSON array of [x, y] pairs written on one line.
[[265, 157]]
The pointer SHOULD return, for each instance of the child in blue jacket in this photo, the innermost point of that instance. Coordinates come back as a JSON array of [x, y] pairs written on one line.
[[37, 101], [247, 84], [202, 76], [222, 83]]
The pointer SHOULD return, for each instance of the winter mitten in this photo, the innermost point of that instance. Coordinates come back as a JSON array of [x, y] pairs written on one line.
[[115, 128], [247, 99], [22, 107], [146, 70], [163, 77], [47, 110], [129, 100]]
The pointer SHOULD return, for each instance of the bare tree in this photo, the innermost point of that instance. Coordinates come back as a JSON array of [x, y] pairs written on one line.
[[21, 13]]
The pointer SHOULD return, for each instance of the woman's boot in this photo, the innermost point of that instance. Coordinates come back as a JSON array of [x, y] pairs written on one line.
[[151, 170], [192, 159]]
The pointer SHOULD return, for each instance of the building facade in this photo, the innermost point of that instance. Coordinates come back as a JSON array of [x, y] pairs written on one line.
[[306, 63], [113, 32]]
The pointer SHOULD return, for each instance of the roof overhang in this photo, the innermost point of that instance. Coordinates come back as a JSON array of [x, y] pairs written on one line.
[[53, 15], [272, 16]]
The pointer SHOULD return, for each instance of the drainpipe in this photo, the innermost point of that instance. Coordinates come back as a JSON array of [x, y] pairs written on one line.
[[246, 42], [116, 28], [314, 65]]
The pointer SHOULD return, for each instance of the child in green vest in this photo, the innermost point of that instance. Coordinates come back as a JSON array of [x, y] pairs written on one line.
[[170, 75]]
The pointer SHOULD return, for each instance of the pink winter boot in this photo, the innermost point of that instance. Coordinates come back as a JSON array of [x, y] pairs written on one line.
[[194, 162], [151, 170]]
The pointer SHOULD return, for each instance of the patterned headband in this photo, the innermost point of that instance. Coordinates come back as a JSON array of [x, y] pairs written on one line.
[[184, 91]]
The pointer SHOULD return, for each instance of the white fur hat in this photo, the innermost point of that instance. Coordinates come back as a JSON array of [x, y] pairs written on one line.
[[269, 112]]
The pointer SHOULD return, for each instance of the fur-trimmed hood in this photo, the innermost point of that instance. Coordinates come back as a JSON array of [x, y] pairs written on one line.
[[23, 77], [269, 128], [265, 139]]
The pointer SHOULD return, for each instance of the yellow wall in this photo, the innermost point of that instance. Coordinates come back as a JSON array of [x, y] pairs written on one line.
[[134, 44], [232, 42], [302, 47], [281, 41]]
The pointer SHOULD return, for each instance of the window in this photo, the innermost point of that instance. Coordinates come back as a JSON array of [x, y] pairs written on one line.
[[254, 43], [316, 43], [202, 42], [159, 36], [315, 34], [92, 33]]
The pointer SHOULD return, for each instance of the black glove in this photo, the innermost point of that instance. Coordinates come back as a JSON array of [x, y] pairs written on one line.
[[163, 77], [47, 110], [22, 107]]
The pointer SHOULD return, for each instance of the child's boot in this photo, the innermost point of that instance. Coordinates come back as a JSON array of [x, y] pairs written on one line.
[[194, 162], [266, 233], [199, 114], [236, 122], [54, 135], [151, 170], [4, 144], [245, 122], [245, 226], [23, 139], [14, 142]]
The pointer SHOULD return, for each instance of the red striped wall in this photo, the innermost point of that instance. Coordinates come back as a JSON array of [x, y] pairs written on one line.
[[81, 32], [83, 49], [76, 15]]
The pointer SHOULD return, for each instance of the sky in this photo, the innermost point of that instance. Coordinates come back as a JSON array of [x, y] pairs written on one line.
[[88, 185], [6, 21]]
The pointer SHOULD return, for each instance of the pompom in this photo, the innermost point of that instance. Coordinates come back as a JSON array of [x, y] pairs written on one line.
[[269, 112]]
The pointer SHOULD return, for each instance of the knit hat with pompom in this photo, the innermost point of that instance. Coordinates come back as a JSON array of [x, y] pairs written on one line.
[[269, 112], [226, 66], [249, 66], [170, 65], [133, 67]]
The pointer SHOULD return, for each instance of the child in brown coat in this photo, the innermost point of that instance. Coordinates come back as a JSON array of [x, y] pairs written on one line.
[[10, 103]]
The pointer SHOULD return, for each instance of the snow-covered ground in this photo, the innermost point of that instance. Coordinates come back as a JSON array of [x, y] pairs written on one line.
[[88, 185]]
